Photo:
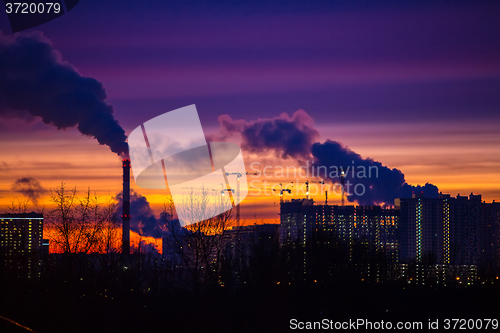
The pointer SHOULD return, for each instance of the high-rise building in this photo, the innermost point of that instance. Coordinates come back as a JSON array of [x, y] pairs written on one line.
[[432, 239], [361, 237], [466, 222], [424, 229], [378, 226], [446, 230], [456, 235], [241, 242], [302, 221], [490, 238], [21, 243], [298, 220]]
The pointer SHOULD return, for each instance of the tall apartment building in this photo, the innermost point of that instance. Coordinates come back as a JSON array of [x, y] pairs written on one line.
[[21, 243], [466, 226], [242, 240], [490, 237], [241, 243], [302, 221], [447, 230], [298, 220], [424, 229], [455, 236]]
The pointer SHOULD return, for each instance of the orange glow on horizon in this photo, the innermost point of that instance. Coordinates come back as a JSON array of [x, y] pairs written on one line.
[[457, 162], [136, 240]]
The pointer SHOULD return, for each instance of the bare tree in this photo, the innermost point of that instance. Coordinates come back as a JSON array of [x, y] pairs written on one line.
[[80, 224], [109, 241], [24, 205], [60, 219], [19, 205], [199, 245]]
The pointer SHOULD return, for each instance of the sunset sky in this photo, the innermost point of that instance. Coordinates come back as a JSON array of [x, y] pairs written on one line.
[[413, 85]]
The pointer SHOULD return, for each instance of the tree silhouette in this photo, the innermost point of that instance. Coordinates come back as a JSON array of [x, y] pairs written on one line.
[[198, 247]]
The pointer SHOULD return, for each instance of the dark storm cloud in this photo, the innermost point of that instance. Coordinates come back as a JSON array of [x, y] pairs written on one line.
[[143, 220], [34, 79], [29, 187]]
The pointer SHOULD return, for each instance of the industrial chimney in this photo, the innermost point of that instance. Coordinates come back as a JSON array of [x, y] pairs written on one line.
[[126, 208]]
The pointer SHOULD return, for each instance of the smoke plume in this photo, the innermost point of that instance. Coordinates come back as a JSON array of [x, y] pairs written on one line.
[[29, 187], [288, 137], [35, 80], [295, 137], [143, 220], [381, 184]]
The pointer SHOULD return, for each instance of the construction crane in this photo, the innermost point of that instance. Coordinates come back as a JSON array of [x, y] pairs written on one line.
[[225, 190], [282, 190], [307, 182], [342, 179], [221, 191], [238, 176], [223, 194]]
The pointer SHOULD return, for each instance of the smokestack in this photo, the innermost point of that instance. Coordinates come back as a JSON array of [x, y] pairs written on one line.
[[126, 208]]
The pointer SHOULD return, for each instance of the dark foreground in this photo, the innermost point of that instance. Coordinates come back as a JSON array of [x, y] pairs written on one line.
[[65, 309]]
